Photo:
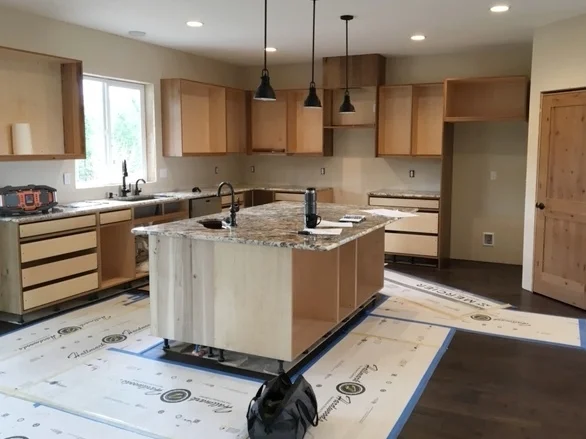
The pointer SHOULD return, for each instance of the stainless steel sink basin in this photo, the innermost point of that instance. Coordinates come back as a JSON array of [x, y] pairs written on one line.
[[135, 198], [214, 224]]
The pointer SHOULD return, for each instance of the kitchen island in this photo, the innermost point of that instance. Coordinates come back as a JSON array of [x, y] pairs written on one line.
[[260, 288]]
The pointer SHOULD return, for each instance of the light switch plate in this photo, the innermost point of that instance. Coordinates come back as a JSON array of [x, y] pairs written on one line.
[[66, 178], [412, 173], [163, 173], [493, 175]]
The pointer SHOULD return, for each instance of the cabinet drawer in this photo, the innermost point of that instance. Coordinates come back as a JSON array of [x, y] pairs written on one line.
[[404, 202], [59, 291], [58, 270], [411, 244], [422, 223], [115, 217], [62, 225], [283, 196], [57, 246]]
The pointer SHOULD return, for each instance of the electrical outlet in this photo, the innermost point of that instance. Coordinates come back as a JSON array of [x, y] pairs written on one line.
[[322, 171], [252, 169], [488, 239], [67, 178], [493, 175], [163, 173], [217, 170], [412, 173]]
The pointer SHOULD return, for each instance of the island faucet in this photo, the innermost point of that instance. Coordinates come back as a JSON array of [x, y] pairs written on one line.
[[123, 191], [137, 191], [233, 206]]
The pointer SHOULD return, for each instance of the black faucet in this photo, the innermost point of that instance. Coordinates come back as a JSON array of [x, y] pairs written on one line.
[[233, 206], [123, 190], [137, 191]]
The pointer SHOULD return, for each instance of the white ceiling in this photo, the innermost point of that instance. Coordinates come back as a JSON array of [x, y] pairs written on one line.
[[233, 29]]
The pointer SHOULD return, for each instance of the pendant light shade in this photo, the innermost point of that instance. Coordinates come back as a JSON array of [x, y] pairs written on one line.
[[312, 100], [347, 107], [265, 92]]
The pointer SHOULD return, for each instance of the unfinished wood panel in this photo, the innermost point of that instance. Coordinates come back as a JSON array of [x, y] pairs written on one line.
[[171, 117], [236, 131], [325, 196], [59, 291], [486, 99], [348, 278], [240, 323], [10, 283], [58, 270], [217, 121], [445, 212], [363, 71], [408, 244], [364, 101], [117, 252], [269, 124], [283, 196], [115, 217], [31, 93], [404, 202], [62, 225], [422, 223], [560, 230], [428, 119], [48, 248], [305, 125], [370, 265], [394, 120], [306, 332], [73, 112]]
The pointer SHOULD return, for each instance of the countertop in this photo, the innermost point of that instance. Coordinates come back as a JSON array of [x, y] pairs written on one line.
[[400, 193], [106, 205], [274, 225]]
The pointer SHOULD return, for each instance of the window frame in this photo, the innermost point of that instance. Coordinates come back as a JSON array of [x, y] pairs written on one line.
[[142, 88]]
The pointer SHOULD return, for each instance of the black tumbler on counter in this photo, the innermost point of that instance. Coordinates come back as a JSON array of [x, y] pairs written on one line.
[[312, 219]]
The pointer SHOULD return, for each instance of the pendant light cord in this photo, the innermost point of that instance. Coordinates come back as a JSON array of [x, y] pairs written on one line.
[[265, 71], [346, 57], [313, 49]]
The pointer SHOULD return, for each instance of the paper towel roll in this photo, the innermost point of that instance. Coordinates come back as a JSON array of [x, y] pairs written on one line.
[[22, 142]]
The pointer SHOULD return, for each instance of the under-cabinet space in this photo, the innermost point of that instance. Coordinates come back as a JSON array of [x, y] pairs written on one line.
[[395, 120], [117, 254], [269, 124], [365, 104], [486, 99]]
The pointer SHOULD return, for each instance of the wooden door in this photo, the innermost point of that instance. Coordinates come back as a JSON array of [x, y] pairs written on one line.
[[269, 124], [235, 121], [394, 120], [305, 125], [560, 229], [428, 120]]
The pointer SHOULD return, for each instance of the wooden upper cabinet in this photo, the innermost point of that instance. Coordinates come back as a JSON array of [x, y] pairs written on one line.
[[236, 111], [428, 120], [363, 71], [194, 118], [486, 99], [269, 124], [306, 133]]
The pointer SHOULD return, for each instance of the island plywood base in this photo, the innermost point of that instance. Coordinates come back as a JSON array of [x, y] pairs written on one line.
[[267, 301]]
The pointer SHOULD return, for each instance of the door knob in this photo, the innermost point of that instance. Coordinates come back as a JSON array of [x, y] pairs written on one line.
[[540, 206]]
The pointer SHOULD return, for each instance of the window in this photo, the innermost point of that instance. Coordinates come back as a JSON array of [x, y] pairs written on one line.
[[115, 130]]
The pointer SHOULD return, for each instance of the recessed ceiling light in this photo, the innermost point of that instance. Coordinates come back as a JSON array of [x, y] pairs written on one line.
[[271, 49], [499, 8], [194, 24], [418, 37], [136, 33]]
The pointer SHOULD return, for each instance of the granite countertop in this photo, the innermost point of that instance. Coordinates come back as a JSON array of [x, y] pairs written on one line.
[[401, 193], [274, 225], [106, 205]]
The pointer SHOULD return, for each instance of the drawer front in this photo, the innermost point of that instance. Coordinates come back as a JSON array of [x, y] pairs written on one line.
[[115, 217], [62, 225], [282, 196], [58, 270], [47, 248], [59, 291], [411, 244], [404, 202], [422, 223]]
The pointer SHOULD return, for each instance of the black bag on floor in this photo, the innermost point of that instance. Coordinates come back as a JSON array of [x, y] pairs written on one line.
[[282, 410]]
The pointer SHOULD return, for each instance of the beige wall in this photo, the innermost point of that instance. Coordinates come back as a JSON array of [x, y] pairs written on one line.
[[479, 204], [112, 56], [559, 62]]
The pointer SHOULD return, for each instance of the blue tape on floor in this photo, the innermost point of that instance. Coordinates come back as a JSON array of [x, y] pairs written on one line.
[[420, 388], [582, 326]]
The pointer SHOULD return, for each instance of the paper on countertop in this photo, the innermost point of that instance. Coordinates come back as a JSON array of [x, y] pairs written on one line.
[[324, 231], [391, 213], [325, 223]]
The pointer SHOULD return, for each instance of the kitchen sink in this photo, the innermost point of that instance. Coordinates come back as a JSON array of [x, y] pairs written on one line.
[[134, 198], [215, 224]]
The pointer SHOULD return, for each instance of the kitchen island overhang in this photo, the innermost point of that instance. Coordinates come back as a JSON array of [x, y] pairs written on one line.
[[260, 288]]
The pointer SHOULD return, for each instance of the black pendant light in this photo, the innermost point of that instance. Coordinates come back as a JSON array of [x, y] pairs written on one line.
[[265, 92], [312, 100], [347, 107]]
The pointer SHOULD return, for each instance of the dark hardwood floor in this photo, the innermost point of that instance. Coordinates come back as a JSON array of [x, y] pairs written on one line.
[[489, 387]]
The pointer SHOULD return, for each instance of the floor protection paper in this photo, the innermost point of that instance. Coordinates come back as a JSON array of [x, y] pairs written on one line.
[[26, 420], [61, 345], [366, 386], [407, 304]]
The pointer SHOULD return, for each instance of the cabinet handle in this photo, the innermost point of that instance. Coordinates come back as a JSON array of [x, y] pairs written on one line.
[[540, 206]]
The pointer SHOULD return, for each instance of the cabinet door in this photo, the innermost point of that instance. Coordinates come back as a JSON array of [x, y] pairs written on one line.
[[395, 117], [235, 121], [269, 124], [428, 119], [306, 125]]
